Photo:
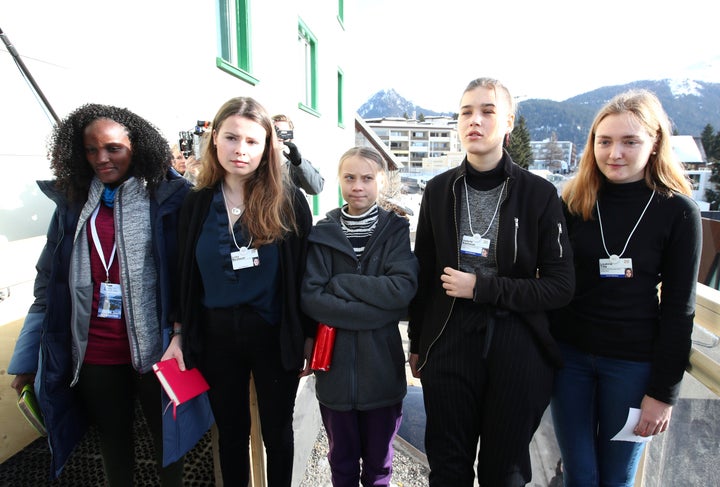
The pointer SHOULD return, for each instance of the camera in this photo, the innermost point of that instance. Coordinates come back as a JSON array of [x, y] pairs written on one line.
[[284, 134], [190, 142]]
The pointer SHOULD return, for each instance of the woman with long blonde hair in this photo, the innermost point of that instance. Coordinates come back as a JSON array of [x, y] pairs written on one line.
[[633, 229]]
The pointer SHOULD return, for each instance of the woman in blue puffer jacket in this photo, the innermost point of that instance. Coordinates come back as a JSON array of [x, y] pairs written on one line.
[[103, 298]]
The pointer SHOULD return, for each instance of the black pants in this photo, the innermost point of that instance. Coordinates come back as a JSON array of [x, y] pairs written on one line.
[[498, 399], [109, 393], [238, 342]]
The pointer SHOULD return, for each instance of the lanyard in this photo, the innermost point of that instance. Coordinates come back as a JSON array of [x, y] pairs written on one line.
[[98, 245], [230, 225], [602, 235], [467, 203]]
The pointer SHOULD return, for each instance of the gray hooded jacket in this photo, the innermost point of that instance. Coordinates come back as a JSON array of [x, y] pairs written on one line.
[[364, 299]]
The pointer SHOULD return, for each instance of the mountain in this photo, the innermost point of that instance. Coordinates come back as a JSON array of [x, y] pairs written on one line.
[[388, 103], [690, 104]]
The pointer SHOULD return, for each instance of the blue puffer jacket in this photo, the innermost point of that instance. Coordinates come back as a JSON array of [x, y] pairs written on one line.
[[45, 348]]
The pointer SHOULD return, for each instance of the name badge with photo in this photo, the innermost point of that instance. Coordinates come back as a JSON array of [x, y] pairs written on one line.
[[244, 258], [616, 267], [110, 302], [475, 245]]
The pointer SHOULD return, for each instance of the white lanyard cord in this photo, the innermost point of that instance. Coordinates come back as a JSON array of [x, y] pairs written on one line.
[[467, 202], [602, 235], [98, 245], [230, 225]]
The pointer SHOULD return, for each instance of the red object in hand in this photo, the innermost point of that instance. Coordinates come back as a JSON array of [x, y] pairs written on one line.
[[323, 350]]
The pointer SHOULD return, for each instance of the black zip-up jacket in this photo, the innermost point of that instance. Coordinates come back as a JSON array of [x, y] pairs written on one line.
[[295, 326], [534, 260]]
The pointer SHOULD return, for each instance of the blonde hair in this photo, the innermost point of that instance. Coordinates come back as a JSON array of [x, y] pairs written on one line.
[[496, 86], [663, 172], [366, 153], [268, 192]]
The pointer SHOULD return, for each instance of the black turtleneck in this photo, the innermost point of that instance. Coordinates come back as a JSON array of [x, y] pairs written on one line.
[[621, 317], [485, 180]]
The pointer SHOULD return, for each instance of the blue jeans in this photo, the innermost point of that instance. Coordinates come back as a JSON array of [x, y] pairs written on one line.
[[590, 402]]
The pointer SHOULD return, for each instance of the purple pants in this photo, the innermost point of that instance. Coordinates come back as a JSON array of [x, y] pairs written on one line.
[[367, 435]]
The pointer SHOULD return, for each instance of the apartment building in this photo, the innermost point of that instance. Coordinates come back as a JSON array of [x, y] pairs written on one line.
[[412, 141], [554, 155]]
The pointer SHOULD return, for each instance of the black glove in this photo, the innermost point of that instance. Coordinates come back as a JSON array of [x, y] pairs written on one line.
[[294, 154]]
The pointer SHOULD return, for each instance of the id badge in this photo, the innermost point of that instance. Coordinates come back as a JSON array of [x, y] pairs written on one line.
[[475, 245], [110, 302], [616, 267], [244, 258]]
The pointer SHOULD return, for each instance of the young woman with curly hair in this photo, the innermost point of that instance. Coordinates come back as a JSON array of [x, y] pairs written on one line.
[[103, 298]]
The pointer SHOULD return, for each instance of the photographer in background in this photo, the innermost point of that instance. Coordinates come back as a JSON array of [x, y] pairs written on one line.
[[302, 173]]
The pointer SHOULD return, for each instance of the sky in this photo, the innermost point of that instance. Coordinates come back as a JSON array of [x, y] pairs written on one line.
[[428, 50]]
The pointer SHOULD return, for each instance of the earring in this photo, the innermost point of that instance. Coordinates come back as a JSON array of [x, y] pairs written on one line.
[[654, 153]]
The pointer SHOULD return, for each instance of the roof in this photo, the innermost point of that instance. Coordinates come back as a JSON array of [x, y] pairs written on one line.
[[377, 143], [687, 149]]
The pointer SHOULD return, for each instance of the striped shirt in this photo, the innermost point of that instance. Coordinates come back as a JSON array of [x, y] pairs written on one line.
[[358, 229]]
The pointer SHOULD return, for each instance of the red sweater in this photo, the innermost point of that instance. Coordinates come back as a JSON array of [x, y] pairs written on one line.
[[107, 338]]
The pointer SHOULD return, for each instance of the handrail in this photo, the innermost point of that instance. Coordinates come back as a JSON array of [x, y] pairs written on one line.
[[701, 366], [707, 316]]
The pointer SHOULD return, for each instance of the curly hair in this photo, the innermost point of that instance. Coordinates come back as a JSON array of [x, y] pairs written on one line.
[[151, 156]]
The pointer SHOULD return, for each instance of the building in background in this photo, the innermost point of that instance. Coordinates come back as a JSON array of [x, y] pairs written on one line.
[[557, 156], [412, 140]]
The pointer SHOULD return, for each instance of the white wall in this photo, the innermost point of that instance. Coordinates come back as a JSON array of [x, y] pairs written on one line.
[[158, 59]]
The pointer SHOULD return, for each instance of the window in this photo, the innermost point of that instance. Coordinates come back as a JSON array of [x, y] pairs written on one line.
[[340, 91], [308, 54], [341, 13], [234, 39]]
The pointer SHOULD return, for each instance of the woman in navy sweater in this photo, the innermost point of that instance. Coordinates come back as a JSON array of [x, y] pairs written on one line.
[[633, 228]]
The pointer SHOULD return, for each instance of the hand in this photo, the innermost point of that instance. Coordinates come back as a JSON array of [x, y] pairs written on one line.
[[21, 380], [294, 154], [654, 417], [413, 360], [307, 353], [458, 284], [174, 350]]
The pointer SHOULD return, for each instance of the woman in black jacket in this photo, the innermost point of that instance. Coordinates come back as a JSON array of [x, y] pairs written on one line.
[[243, 241], [494, 256]]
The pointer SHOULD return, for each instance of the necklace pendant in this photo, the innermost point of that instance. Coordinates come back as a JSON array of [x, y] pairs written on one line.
[[236, 211]]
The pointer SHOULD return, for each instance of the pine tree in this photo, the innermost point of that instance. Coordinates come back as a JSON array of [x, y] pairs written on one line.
[[519, 144]]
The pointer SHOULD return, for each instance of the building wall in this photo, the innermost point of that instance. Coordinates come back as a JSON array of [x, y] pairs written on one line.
[[157, 58], [412, 141]]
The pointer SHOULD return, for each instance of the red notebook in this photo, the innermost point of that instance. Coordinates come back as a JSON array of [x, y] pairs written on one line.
[[179, 385]]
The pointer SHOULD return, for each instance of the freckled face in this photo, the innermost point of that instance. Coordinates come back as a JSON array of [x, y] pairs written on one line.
[[240, 145], [359, 184], [622, 148], [108, 150]]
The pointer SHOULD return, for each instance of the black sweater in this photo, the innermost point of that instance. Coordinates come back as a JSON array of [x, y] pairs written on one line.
[[623, 318]]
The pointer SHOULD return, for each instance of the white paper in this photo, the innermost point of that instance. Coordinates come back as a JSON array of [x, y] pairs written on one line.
[[626, 433]]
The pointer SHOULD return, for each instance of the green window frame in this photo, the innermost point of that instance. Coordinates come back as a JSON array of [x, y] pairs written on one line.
[[340, 98], [341, 13], [308, 47], [234, 39]]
